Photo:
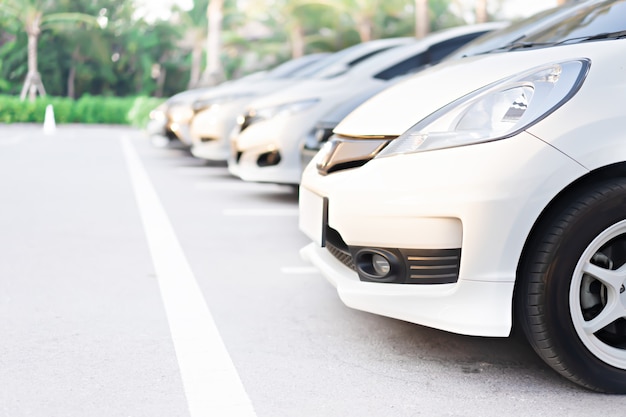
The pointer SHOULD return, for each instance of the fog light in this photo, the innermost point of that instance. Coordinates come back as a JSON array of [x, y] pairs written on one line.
[[268, 159], [381, 265], [377, 265]]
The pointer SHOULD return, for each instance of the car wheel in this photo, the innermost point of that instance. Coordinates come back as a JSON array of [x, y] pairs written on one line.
[[571, 299]]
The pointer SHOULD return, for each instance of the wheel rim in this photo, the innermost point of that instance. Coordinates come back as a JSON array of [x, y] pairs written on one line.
[[597, 296]]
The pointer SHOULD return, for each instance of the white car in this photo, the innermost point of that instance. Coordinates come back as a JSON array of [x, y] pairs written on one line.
[[216, 112], [488, 43], [167, 120], [512, 36], [172, 119], [503, 196], [323, 129], [267, 147]]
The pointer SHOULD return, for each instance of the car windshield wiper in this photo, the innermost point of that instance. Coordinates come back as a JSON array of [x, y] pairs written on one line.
[[570, 41], [516, 44], [600, 36]]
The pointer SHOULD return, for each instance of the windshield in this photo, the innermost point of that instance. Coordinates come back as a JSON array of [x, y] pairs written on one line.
[[586, 23], [343, 60], [514, 32], [292, 67]]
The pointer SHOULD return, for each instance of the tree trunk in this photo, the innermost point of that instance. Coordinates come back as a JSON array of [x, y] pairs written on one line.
[[160, 82], [32, 83], [214, 72], [297, 41], [481, 11], [71, 78], [196, 67], [422, 22], [365, 29]]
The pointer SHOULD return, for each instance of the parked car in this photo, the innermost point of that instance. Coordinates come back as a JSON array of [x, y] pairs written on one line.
[[503, 197], [164, 124], [267, 147], [216, 112], [492, 42], [323, 129], [170, 121]]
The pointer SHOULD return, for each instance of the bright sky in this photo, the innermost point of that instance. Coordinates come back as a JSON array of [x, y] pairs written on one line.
[[154, 9], [511, 9], [515, 8]]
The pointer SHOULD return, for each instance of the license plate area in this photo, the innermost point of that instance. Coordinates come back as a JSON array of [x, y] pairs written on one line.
[[313, 220]]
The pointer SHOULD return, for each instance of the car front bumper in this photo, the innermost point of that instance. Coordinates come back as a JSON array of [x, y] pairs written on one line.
[[211, 129], [281, 136], [481, 199]]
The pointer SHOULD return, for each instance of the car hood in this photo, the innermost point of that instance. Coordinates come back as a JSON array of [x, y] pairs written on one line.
[[316, 89], [398, 108], [250, 88]]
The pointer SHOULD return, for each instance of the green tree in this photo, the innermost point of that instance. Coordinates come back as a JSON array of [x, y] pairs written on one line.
[[194, 36], [35, 17], [368, 15], [13, 55]]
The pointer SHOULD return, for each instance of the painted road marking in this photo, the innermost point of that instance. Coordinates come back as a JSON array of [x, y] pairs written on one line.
[[201, 171], [237, 184], [210, 380], [268, 212]]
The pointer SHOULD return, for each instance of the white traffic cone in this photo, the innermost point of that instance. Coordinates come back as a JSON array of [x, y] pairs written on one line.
[[49, 125]]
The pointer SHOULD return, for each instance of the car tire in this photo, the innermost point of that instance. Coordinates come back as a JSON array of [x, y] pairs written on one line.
[[570, 299]]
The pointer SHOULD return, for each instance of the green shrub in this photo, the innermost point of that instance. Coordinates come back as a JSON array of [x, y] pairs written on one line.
[[87, 109]]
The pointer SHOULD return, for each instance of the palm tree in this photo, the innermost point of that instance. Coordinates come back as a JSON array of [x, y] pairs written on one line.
[[36, 16], [481, 11], [214, 72], [364, 13], [422, 20]]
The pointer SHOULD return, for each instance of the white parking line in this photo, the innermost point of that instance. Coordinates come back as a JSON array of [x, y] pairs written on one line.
[[238, 185], [211, 383], [201, 171], [268, 212]]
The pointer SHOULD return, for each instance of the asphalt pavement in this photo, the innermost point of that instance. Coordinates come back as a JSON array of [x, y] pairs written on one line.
[[140, 281]]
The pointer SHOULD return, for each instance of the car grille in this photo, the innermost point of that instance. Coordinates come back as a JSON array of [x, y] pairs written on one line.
[[248, 119]]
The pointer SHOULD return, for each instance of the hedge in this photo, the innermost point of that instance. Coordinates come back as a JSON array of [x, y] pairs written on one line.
[[87, 109]]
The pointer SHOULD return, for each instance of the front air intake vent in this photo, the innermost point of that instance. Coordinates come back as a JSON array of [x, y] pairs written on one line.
[[432, 266], [343, 257], [396, 265], [338, 248]]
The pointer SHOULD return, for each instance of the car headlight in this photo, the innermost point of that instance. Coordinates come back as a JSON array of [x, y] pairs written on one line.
[[181, 113], [283, 109], [496, 111], [158, 114]]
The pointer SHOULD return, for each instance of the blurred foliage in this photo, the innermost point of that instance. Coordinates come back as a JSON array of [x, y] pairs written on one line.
[[88, 109], [130, 55]]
